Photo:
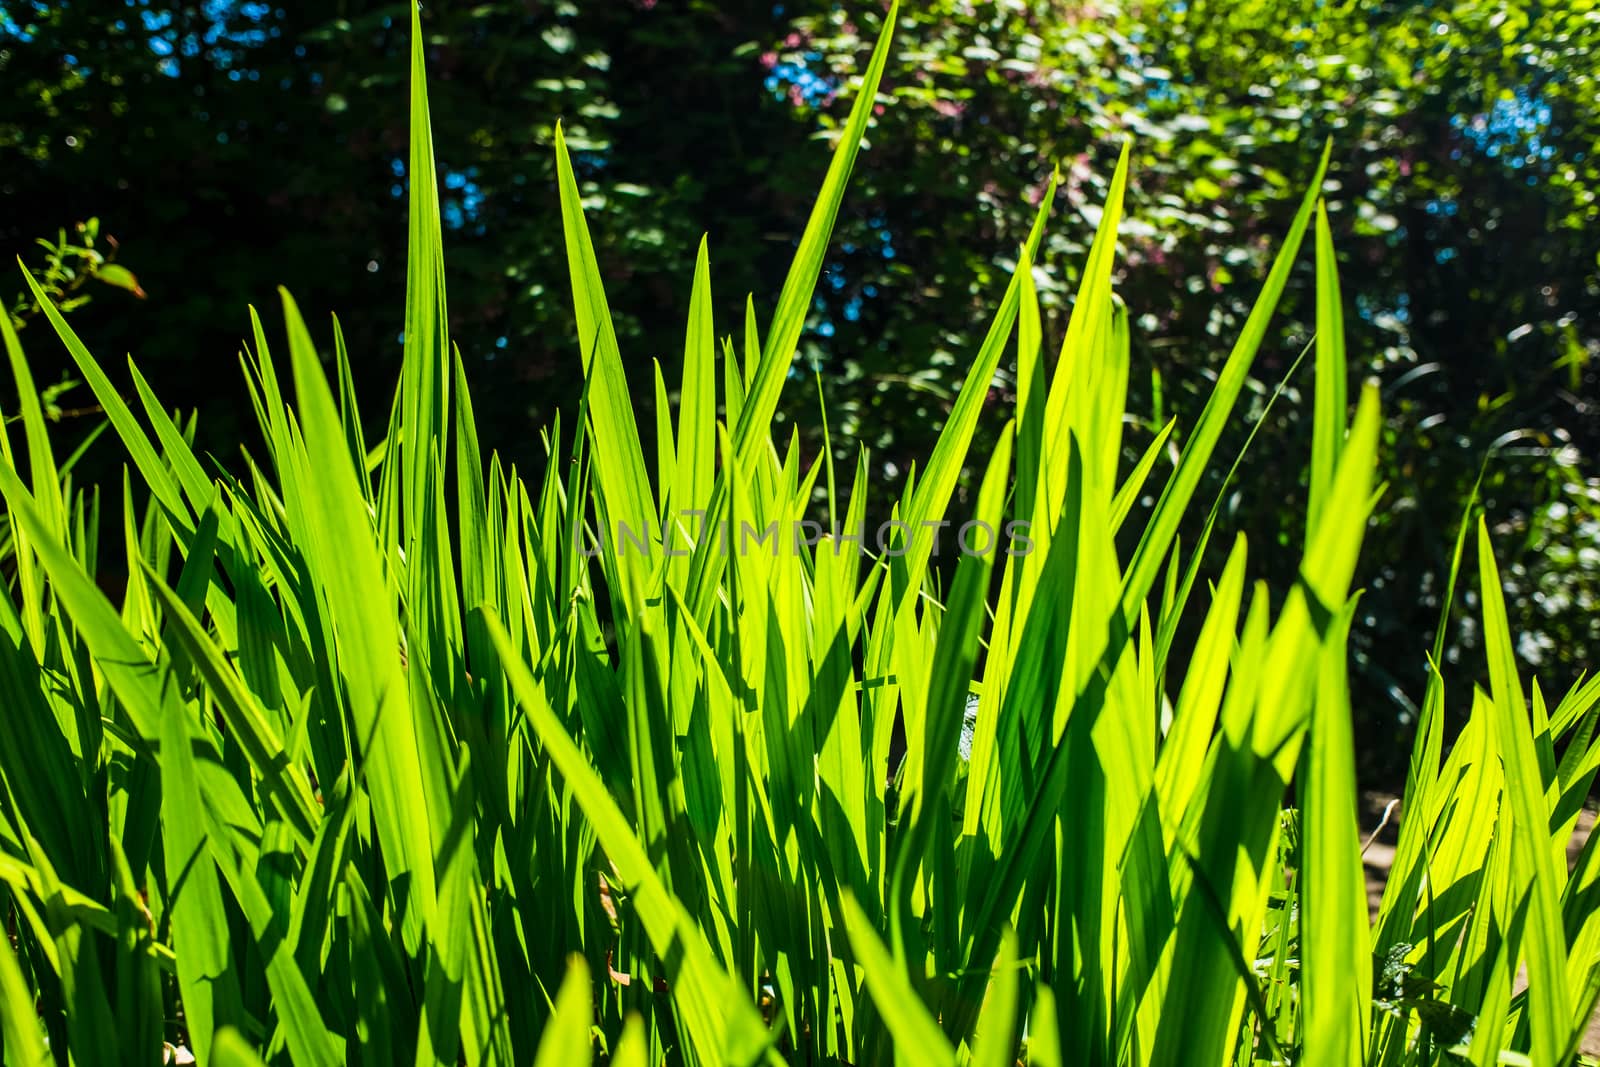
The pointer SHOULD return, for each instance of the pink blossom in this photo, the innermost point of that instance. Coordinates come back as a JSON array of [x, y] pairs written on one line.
[[769, 59]]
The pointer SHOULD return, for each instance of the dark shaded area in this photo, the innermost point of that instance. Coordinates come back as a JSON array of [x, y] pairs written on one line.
[[275, 155]]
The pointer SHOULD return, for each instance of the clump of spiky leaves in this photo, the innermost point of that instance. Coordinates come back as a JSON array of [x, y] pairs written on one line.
[[345, 780]]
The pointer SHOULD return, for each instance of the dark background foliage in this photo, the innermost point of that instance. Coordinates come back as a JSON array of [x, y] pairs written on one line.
[[230, 146]]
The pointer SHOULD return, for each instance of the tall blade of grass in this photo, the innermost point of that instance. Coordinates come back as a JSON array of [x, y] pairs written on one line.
[[1335, 951], [935, 751], [842, 775], [929, 498], [1334, 936], [755, 415], [1106, 762], [1328, 425], [180, 457], [1146, 886], [282, 782], [928, 501], [959, 632], [722, 1025], [904, 1015], [1239, 826], [25, 1044], [306, 1036], [1044, 1040], [207, 978], [144, 457], [1031, 386], [481, 521], [425, 373], [1581, 904], [377, 967], [343, 561], [121, 660], [632, 1050], [43, 782], [316, 896], [1487, 1047], [666, 447], [42, 468], [1325, 577], [1022, 794], [623, 486], [349, 412], [1179, 767], [1578, 702], [732, 382], [933, 491], [697, 400], [1175, 595], [1075, 369], [231, 1050], [464, 1006], [1397, 909], [1179, 490], [1128, 492], [83, 1003], [994, 1044], [137, 980], [566, 1037], [1058, 503], [262, 374], [1537, 869]]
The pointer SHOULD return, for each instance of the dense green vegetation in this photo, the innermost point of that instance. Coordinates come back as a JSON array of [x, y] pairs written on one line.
[[227, 142], [364, 750]]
